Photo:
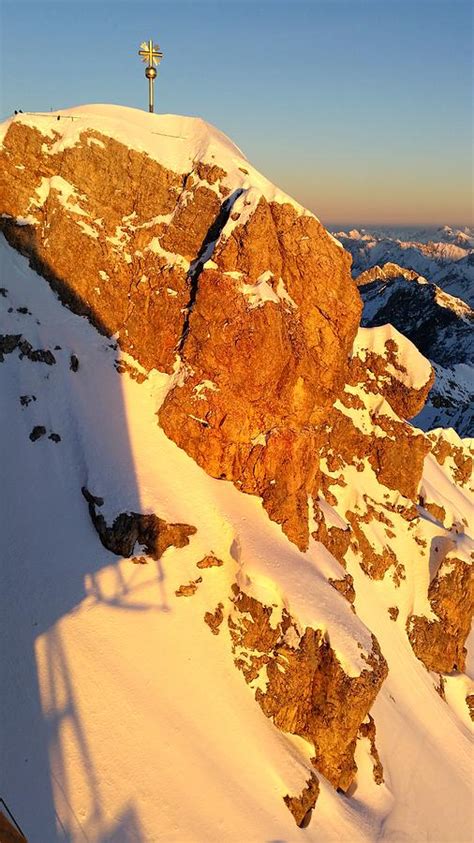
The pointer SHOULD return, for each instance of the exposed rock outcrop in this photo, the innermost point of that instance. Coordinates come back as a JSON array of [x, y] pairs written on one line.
[[307, 691], [367, 730], [439, 644], [209, 561], [302, 806], [129, 529], [38, 431], [266, 354], [188, 589], [345, 586], [470, 705], [263, 336], [364, 427], [8, 832], [455, 454], [15, 342], [389, 365], [336, 539], [215, 618]]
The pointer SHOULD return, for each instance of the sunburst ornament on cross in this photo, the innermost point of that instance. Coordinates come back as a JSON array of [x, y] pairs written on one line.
[[151, 54]]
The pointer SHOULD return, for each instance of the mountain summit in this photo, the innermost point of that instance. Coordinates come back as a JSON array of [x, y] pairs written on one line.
[[237, 587], [146, 225]]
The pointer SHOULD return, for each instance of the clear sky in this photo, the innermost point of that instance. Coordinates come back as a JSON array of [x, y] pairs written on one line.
[[361, 109]]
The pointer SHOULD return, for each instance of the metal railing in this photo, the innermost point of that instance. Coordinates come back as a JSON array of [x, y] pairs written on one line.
[[7, 809]]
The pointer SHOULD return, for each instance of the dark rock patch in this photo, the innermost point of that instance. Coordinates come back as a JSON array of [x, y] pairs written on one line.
[[152, 533], [11, 342], [38, 431]]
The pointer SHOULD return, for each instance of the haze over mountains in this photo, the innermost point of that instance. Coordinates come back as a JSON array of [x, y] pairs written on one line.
[[237, 586]]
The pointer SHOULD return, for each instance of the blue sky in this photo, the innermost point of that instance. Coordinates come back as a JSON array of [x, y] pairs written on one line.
[[361, 109]]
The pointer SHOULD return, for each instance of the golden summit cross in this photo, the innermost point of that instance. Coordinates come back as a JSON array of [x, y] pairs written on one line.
[[151, 54]]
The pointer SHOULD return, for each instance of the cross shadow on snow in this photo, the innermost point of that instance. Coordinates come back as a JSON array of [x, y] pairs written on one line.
[[439, 547], [52, 557]]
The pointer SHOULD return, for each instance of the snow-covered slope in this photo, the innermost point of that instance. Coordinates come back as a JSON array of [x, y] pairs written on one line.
[[236, 580], [451, 401], [123, 718]]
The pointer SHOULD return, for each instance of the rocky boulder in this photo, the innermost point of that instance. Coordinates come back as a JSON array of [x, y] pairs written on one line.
[[130, 530], [439, 643]]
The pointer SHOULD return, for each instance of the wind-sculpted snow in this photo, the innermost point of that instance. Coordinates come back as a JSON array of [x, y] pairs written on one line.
[[189, 670]]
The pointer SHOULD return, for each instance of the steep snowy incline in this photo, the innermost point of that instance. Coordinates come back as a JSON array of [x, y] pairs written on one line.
[[237, 579], [148, 728], [138, 726]]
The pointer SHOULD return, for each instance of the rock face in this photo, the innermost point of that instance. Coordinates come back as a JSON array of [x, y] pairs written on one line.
[[302, 806], [439, 643], [307, 692], [456, 457], [263, 336], [265, 359], [364, 426], [389, 365], [105, 206], [368, 730], [8, 832]]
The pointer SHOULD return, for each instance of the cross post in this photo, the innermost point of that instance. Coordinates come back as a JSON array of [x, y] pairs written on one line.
[[150, 54]]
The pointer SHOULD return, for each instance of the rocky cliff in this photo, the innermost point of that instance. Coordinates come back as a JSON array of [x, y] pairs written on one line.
[[229, 326], [203, 261]]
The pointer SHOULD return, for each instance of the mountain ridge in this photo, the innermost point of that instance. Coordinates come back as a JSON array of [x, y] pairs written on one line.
[[242, 660]]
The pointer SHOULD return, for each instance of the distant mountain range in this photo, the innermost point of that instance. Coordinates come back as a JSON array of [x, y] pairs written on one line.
[[424, 286], [444, 256]]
